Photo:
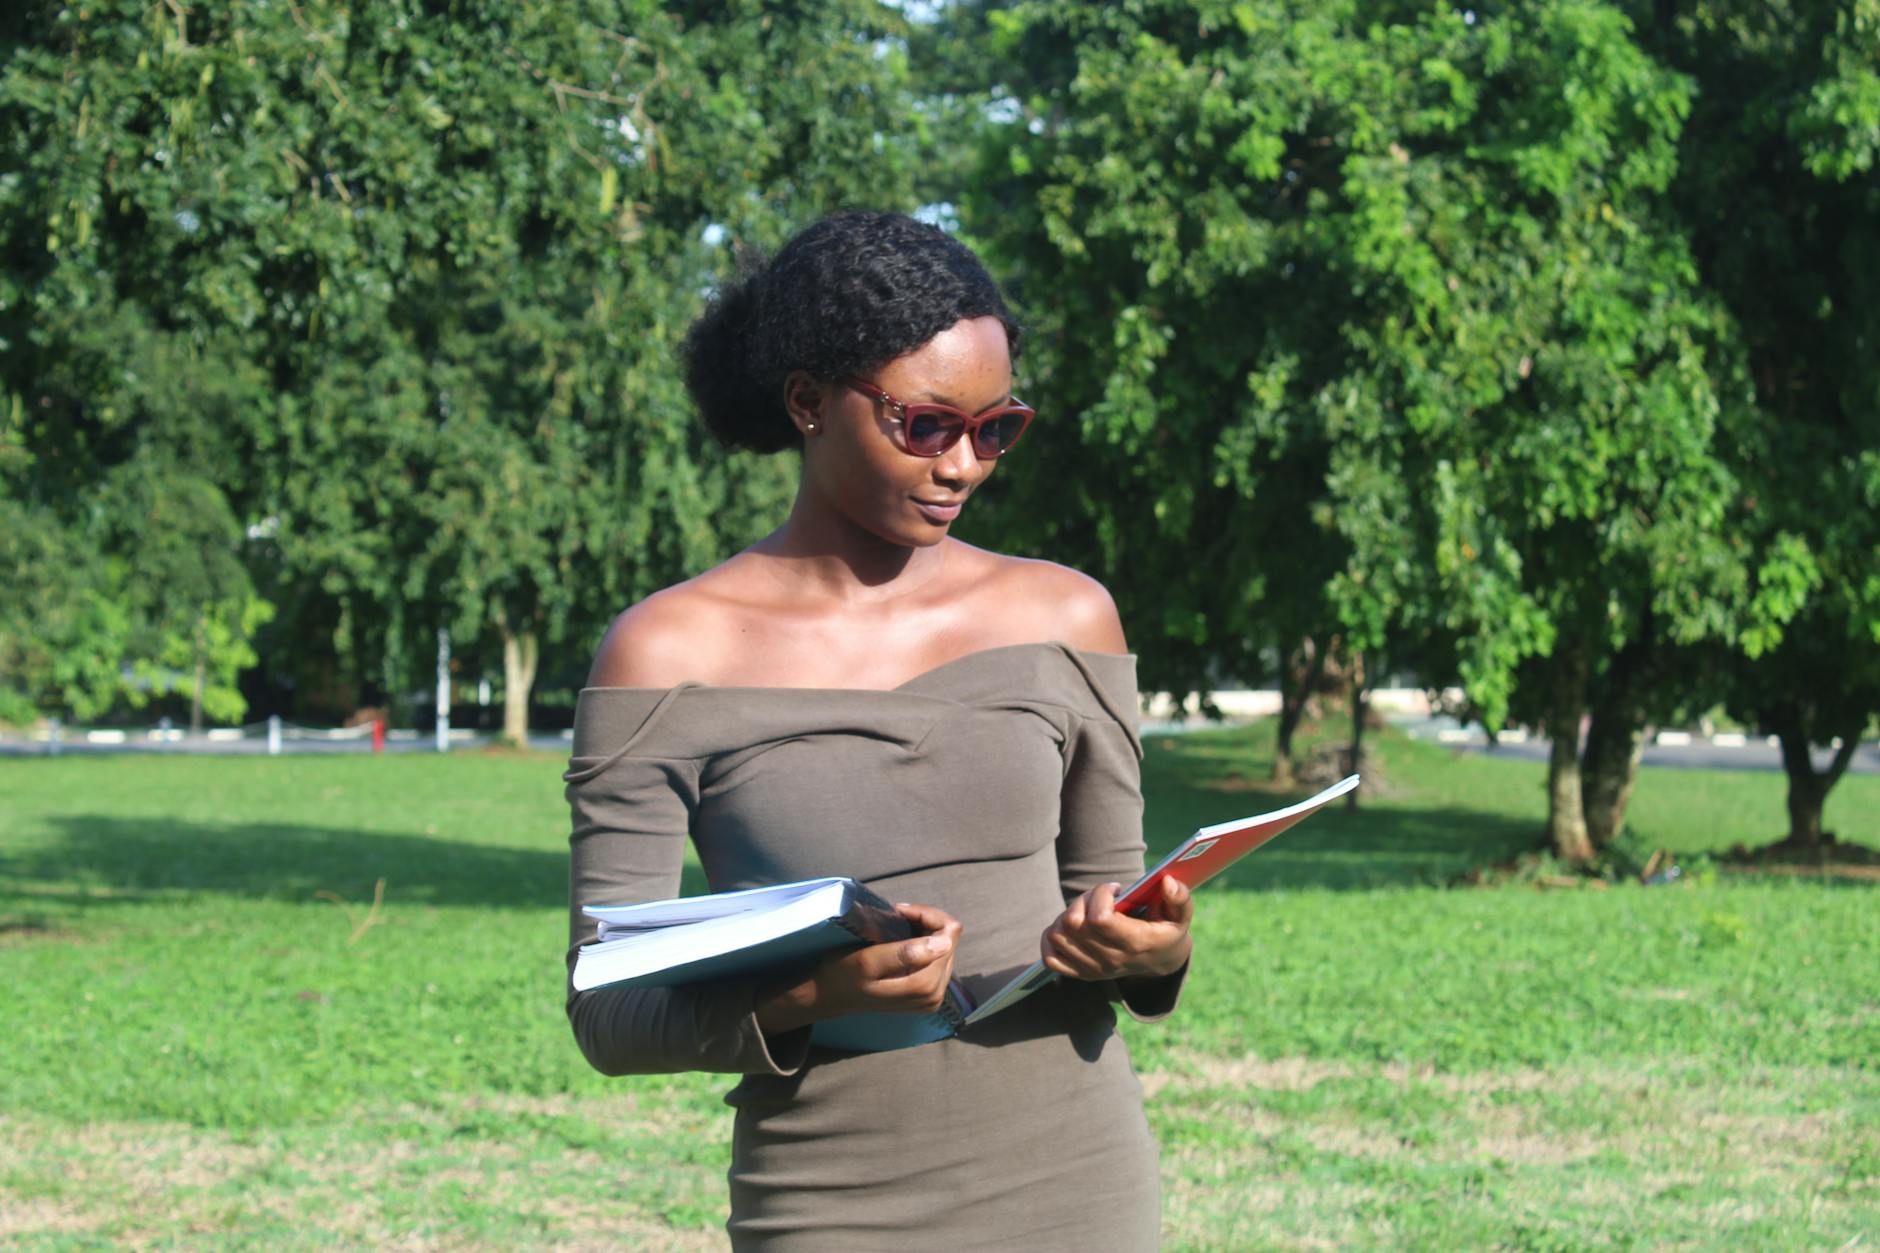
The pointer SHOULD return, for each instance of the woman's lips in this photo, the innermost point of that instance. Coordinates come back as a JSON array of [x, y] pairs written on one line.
[[938, 513]]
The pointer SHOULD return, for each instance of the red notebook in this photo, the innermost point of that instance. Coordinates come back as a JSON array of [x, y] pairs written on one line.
[[1196, 860], [1213, 849]]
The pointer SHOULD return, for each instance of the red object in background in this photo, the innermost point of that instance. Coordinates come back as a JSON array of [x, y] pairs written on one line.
[[378, 735]]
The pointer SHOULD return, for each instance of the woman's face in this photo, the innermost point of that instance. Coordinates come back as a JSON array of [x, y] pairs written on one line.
[[855, 459]]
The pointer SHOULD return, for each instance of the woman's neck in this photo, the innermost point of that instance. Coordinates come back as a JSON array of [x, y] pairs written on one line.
[[826, 555]]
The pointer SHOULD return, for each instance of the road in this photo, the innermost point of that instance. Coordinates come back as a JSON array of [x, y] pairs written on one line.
[[257, 746], [1697, 754]]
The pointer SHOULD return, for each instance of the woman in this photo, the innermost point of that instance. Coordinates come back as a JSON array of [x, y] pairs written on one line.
[[859, 694]]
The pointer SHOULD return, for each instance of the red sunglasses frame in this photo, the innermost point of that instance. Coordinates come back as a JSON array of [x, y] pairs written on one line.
[[970, 423]]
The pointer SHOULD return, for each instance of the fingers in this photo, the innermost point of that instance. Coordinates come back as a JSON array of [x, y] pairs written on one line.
[[898, 959], [943, 936], [927, 918], [909, 975], [1068, 957], [1081, 944], [915, 955], [1178, 902], [1091, 939], [914, 981]]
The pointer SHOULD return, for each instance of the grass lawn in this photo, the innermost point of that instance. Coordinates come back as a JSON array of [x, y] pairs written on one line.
[[211, 1037]]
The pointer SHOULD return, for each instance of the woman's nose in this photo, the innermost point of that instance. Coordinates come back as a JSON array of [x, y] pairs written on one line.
[[960, 464]]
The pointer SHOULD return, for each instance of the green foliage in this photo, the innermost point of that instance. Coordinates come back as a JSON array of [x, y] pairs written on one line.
[[1501, 341], [1779, 191], [58, 648], [411, 281], [1374, 305], [138, 591]]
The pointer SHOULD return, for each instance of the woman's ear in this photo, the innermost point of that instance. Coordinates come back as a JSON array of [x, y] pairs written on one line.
[[803, 400]]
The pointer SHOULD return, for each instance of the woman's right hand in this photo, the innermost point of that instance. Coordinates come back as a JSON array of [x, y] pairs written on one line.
[[899, 977]]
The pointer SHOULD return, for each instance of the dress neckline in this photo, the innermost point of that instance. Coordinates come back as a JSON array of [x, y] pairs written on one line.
[[695, 685]]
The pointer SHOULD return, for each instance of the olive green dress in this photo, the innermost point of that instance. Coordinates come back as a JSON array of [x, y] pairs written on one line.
[[996, 787]]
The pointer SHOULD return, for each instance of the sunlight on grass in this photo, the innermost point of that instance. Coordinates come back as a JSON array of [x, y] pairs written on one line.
[[205, 1042]]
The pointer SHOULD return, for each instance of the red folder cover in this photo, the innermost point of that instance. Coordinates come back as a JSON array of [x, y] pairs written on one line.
[[1196, 860], [1213, 849]]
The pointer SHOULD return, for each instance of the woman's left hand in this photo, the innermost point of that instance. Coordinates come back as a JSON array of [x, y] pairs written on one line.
[[1092, 940]]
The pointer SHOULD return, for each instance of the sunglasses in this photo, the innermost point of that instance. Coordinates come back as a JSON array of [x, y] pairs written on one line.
[[929, 430]]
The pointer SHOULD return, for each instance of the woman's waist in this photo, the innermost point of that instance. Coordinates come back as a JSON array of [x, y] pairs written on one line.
[[1059, 1042]]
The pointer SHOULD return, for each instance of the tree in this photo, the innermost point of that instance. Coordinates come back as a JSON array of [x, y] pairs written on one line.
[[459, 249], [118, 448], [1379, 304], [1780, 194], [1151, 272]]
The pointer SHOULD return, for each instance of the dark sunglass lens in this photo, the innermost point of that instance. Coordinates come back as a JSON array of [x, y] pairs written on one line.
[[929, 434], [999, 434]]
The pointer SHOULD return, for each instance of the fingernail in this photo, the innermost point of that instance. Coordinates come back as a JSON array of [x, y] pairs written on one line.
[[937, 945]]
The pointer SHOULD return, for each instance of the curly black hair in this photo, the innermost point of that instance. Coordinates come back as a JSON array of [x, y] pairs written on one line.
[[845, 295]]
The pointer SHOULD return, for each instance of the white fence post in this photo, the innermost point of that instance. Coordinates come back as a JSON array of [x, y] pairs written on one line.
[[54, 731], [274, 735], [443, 690]]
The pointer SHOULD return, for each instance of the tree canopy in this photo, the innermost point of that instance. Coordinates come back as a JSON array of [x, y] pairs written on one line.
[[431, 268], [1526, 347], [1393, 321]]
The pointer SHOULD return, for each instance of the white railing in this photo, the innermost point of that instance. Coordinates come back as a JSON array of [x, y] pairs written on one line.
[[274, 735]]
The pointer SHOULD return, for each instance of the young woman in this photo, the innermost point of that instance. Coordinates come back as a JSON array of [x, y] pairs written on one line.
[[860, 694]]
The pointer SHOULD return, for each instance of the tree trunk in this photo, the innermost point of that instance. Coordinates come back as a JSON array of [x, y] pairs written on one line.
[[1614, 741], [519, 656], [1808, 790], [1295, 688], [1610, 767], [1360, 702], [1566, 817], [1806, 796]]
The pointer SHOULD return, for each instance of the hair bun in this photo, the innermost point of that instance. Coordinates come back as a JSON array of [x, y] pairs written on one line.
[[735, 407]]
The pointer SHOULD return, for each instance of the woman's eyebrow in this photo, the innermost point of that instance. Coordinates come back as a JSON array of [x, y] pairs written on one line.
[[941, 399]]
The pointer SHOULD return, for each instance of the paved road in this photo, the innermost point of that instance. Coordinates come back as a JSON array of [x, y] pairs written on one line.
[[1699, 754], [256, 746]]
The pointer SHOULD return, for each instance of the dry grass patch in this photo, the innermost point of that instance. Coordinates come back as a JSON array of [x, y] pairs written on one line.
[[144, 1184], [1296, 1153]]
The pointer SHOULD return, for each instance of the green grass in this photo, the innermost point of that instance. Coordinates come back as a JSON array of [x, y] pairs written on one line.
[[203, 1046]]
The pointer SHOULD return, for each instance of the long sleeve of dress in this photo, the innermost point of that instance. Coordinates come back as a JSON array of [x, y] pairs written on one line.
[[630, 816], [1100, 823]]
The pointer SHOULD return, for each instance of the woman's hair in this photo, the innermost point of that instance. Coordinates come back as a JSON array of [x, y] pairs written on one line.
[[846, 295]]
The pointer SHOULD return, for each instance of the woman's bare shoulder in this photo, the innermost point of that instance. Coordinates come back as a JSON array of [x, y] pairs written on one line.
[[1047, 601], [672, 636]]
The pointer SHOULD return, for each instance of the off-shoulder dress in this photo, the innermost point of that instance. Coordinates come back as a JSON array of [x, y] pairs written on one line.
[[996, 787]]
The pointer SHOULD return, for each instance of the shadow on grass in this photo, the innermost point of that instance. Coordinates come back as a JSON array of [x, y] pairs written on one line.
[[1381, 845], [101, 861], [96, 860], [1195, 780]]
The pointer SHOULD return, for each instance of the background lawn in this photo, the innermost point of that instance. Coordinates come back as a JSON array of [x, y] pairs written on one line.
[[211, 1037]]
